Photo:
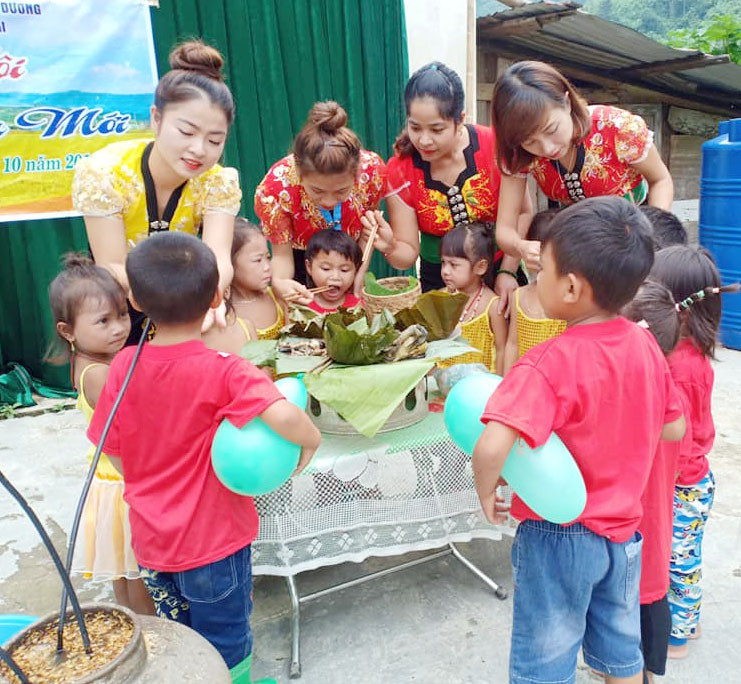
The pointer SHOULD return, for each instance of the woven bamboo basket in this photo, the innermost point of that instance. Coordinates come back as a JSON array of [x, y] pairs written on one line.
[[374, 304]]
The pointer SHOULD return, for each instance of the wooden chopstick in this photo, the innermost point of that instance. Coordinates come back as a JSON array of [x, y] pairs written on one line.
[[369, 245], [318, 290]]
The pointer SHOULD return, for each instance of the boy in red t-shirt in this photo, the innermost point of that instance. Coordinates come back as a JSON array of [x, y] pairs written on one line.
[[191, 536], [332, 262], [604, 387]]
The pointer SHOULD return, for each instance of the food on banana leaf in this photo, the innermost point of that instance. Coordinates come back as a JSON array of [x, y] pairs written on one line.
[[305, 322], [359, 344], [372, 286], [438, 311], [411, 344], [302, 347]]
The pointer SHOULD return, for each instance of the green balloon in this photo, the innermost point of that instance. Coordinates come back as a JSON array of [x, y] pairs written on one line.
[[546, 478], [255, 460], [465, 404]]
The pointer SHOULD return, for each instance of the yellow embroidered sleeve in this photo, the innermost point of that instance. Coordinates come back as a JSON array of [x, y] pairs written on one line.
[[93, 189], [222, 192]]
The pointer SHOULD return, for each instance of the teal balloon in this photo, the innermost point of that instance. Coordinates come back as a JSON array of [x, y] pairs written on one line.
[[546, 478], [465, 404], [255, 460]]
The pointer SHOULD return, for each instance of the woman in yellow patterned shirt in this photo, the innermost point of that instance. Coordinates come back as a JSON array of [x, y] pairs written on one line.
[[130, 189]]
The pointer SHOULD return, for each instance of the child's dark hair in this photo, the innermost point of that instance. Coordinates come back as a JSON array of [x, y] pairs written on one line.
[[668, 229], [173, 277], [473, 242], [523, 96], [442, 84], [81, 279], [607, 241], [654, 305], [540, 224], [244, 231], [325, 144], [195, 71], [330, 240], [693, 278]]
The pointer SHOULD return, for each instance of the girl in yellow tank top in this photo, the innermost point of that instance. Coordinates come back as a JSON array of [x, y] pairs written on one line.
[[258, 315], [91, 316], [466, 253], [528, 324]]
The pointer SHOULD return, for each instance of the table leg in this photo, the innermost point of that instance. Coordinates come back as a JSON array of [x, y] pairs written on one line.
[[499, 591], [295, 671]]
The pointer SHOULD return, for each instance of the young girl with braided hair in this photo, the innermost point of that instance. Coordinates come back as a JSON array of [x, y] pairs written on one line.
[[692, 277]]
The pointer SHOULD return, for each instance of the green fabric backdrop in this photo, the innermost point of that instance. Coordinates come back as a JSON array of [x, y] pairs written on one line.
[[282, 56]]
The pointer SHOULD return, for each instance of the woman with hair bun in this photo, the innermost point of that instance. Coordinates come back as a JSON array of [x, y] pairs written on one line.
[[545, 129], [443, 174], [328, 181], [131, 189]]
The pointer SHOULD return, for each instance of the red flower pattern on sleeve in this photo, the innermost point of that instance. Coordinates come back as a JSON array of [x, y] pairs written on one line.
[[480, 189], [287, 214], [617, 140]]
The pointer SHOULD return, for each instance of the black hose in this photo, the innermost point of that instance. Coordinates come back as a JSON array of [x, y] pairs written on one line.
[[88, 481], [8, 659], [54, 556]]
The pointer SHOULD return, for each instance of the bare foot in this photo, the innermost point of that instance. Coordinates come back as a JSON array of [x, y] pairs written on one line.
[[677, 652]]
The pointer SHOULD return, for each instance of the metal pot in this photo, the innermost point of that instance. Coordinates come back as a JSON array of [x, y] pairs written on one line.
[[412, 409]]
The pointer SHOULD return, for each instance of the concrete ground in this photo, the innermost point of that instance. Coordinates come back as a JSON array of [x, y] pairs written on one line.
[[434, 622]]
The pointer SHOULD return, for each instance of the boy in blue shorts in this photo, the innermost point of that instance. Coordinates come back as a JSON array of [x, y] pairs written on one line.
[[604, 387], [191, 535]]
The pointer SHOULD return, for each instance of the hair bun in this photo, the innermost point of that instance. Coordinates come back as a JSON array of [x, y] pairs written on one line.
[[195, 55], [328, 116], [76, 260]]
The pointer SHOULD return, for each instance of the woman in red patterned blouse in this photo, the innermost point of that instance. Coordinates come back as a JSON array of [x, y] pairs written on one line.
[[544, 128], [442, 175], [328, 181]]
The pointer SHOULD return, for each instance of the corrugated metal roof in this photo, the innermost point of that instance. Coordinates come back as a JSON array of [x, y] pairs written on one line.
[[562, 34]]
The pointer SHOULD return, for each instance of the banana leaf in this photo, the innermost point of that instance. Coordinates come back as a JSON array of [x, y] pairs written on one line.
[[372, 286], [365, 396], [439, 350], [260, 352], [438, 311], [358, 343], [286, 364], [305, 322]]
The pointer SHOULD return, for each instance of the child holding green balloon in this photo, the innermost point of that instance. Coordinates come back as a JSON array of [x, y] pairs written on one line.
[[605, 388], [190, 534]]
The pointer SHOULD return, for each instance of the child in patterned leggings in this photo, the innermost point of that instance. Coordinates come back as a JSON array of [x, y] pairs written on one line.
[[692, 276]]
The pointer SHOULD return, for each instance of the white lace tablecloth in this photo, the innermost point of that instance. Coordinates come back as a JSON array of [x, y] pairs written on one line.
[[406, 490]]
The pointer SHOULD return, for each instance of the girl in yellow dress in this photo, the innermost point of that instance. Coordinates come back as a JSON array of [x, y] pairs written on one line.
[[466, 253], [258, 314], [90, 314], [528, 324]]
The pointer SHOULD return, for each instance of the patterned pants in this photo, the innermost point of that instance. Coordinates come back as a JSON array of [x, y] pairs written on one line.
[[692, 505]]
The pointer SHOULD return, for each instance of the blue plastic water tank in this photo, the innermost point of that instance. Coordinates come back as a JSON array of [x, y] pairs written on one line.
[[720, 218]]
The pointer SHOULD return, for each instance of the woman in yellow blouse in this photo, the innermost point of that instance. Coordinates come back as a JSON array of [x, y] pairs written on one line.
[[130, 189]]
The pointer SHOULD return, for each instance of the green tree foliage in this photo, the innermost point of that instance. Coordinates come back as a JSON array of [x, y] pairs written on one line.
[[719, 35], [658, 18]]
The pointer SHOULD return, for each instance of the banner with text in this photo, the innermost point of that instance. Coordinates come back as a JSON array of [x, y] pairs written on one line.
[[75, 75]]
